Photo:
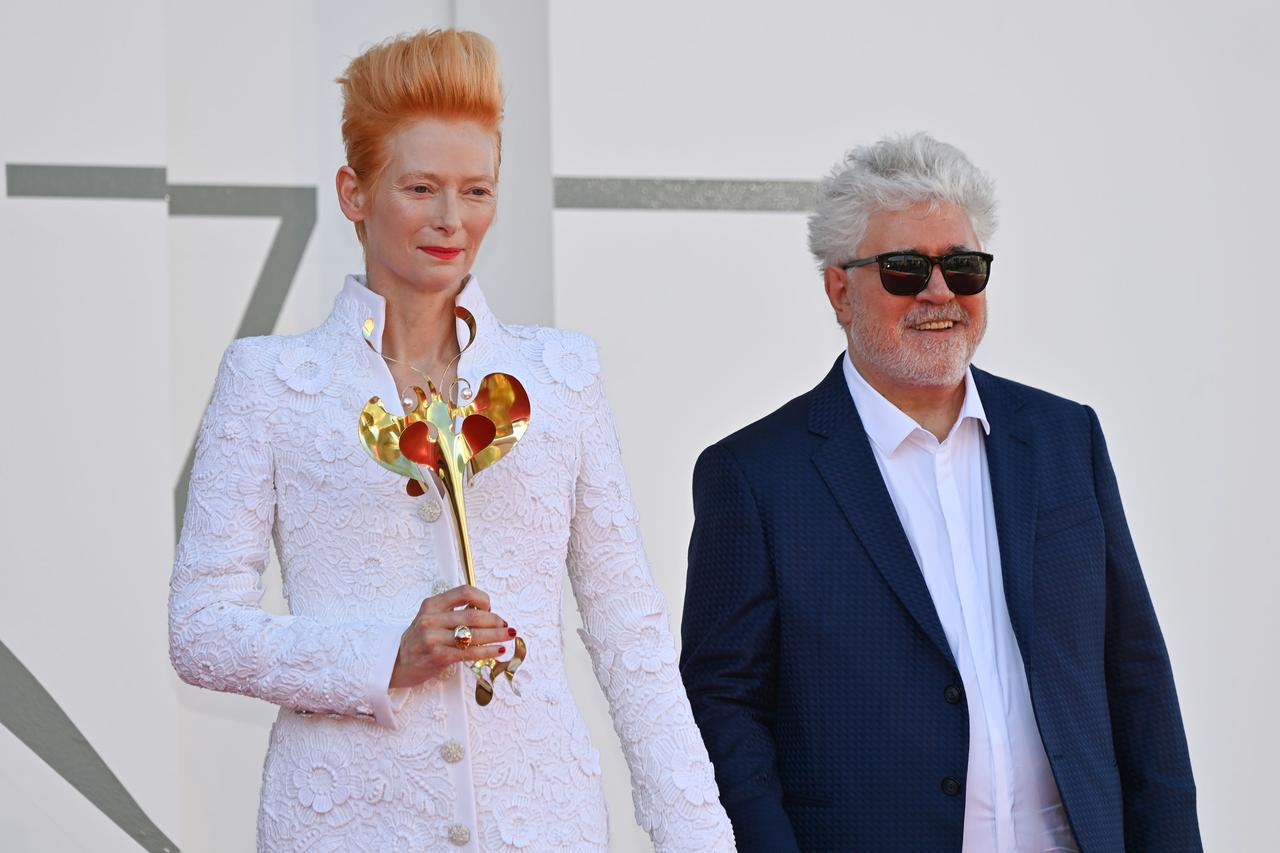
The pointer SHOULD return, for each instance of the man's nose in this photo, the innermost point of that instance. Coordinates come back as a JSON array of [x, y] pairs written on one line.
[[937, 292]]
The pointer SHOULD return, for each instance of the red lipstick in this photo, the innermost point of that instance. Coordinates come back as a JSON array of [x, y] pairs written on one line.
[[441, 252]]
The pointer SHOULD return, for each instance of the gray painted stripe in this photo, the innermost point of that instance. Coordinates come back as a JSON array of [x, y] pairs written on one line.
[[28, 180], [683, 194], [294, 206], [296, 209], [27, 710]]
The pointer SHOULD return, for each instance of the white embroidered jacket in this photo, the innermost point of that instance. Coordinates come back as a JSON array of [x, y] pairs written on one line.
[[350, 767]]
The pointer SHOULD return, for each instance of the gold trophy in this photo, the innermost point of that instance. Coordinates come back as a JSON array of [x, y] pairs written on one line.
[[454, 441]]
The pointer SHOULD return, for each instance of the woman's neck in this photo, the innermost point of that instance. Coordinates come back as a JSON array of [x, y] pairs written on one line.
[[419, 325]]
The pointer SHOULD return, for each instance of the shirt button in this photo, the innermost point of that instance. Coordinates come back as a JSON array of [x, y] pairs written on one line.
[[430, 509], [453, 751], [459, 834], [950, 787], [952, 694]]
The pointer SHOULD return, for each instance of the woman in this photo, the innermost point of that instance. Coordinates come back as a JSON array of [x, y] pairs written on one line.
[[379, 744]]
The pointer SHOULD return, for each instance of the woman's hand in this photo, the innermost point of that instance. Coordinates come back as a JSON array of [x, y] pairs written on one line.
[[428, 647]]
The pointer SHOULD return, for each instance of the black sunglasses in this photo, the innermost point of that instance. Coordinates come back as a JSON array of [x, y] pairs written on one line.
[[907, 273]]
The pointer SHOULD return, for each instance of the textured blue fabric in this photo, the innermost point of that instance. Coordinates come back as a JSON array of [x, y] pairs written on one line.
[[817, 667]]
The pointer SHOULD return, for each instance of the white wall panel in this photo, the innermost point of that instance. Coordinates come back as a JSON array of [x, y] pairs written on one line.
[[84, 374], [1132, 147], [687, 308], [119, 313], [271, 115], [43, 812], [1131, 143], [515, 264]]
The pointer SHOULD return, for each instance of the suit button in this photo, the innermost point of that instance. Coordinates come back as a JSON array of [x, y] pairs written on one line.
[[952, 694], [950, 787]]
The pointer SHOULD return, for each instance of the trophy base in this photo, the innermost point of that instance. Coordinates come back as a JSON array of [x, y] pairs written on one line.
[[485, 681]]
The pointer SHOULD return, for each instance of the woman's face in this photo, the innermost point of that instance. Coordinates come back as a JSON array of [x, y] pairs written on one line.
[[429, 211]]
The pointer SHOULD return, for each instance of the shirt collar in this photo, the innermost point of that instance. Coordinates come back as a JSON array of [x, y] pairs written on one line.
[[372, 308], [888, 426]]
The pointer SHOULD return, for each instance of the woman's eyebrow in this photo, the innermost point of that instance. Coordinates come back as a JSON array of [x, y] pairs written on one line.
[[408, 177], [417, 176]]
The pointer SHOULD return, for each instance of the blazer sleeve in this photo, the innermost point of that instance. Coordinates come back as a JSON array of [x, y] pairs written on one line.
[[729, 661], [1150, 744], [632, 649], [220, 638]]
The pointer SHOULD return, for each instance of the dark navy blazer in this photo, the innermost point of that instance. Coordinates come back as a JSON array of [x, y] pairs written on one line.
[[818, 670]]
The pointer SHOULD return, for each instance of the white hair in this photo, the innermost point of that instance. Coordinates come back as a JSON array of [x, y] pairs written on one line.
[[895, 173]]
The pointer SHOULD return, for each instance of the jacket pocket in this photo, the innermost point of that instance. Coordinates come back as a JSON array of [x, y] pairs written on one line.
[[789, 799], [1067, 516]]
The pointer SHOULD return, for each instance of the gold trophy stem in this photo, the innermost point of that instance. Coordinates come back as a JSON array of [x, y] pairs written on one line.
[[430, 438], [464, 538]]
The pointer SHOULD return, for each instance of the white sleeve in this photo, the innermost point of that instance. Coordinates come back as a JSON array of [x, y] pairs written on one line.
[[219, 635], [633, 653]]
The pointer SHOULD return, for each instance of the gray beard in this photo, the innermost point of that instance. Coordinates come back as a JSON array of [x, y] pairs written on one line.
[[928, 363]]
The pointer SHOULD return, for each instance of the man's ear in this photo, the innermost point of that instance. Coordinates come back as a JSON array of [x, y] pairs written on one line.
[[351, 196], [836, 282]]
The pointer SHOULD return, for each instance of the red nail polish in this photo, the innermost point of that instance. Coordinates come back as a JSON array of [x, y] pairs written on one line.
[[502, 650], [511, 632], [504, 623]]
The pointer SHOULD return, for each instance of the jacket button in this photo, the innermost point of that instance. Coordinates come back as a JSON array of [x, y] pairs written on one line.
[[952, 694], [950, 787]]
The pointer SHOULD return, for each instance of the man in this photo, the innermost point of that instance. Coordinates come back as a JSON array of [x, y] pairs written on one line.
[[915, 620]]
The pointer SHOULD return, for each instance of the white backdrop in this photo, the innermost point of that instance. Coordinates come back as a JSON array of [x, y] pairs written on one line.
[[1132, 146], [119, 311], [1133, 149], [85, 529]]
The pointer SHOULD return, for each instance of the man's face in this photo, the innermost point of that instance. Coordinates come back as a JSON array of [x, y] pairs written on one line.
[[904, 342]]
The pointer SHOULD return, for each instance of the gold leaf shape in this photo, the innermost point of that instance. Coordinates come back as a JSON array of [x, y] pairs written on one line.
[[503, 400], [380, 434]]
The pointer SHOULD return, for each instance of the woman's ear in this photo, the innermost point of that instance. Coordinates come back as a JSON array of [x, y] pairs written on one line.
[[351, 197]]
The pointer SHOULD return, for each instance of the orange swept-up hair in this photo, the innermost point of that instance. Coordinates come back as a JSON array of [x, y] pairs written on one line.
[[449, 74]]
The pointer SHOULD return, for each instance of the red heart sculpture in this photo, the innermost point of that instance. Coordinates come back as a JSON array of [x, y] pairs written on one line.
[[478, 431], [416, 444]]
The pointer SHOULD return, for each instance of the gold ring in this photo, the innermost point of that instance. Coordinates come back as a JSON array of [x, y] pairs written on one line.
[[462, 636]]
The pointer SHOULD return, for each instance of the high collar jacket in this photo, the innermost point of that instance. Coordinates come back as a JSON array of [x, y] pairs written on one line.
[[349, 766]]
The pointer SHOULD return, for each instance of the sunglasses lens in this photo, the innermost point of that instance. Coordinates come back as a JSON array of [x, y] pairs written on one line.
[[966, 274], [905, 275]]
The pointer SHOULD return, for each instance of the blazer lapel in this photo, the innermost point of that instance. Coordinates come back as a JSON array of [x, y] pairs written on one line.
[[849, 469], [1011, 461]]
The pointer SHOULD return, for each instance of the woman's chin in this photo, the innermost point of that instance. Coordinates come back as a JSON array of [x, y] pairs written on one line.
[[437, 275], [434, 277]]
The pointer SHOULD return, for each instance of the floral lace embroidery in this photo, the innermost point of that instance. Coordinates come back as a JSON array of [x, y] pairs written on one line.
[[277, 458]]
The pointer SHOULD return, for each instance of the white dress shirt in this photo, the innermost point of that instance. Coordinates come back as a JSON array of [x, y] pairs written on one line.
[[942, 494]]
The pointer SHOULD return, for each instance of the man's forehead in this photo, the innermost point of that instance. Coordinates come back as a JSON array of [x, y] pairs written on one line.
[[935, 229], [930, 249]]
